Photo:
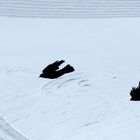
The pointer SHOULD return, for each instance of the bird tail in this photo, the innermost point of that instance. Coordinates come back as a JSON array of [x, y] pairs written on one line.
[[68, 69]]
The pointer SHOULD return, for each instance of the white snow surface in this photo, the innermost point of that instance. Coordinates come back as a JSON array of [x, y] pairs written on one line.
[[92, 103]]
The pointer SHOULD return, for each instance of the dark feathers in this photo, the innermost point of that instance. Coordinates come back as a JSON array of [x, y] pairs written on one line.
[[52, 71], [135, 93]]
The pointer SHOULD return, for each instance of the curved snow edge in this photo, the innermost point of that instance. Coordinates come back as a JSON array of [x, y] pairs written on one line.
[[9, 133]]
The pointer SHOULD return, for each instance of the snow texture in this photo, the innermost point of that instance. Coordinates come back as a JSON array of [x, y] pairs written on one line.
[[92, 103], [70, 8], [8, 133]]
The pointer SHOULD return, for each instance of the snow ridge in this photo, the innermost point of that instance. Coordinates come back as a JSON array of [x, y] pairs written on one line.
[[68, 8]]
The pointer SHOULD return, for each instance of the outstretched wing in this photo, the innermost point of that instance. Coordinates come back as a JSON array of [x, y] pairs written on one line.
[[53, 67]]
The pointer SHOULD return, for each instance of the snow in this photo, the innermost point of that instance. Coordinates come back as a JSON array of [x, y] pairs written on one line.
[[70, 8], [91, 103]]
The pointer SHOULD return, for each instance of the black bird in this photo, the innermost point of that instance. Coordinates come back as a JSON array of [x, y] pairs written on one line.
[[52, 71], [135, 93]]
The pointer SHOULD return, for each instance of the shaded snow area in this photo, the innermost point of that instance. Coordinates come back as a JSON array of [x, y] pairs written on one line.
[[70, 8], [92, 103]]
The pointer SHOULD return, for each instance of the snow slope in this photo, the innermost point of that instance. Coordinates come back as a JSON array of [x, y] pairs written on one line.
[[90, 103]]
